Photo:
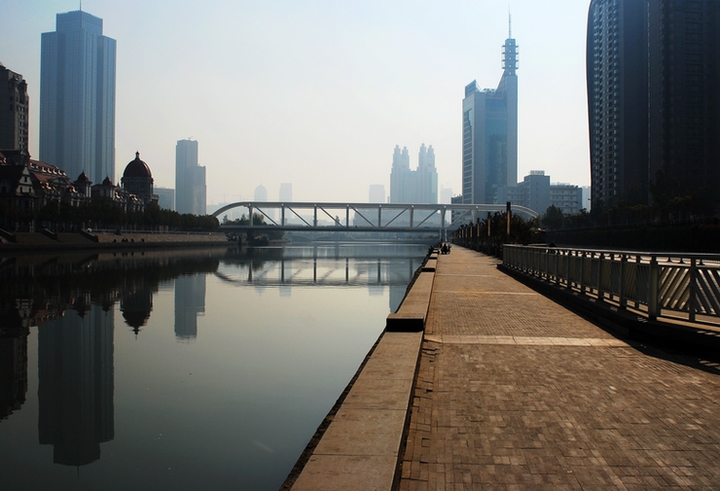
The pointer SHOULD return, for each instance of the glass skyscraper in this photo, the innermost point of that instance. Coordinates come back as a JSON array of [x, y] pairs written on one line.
[[489, 153], [77, 97], [190, 187]]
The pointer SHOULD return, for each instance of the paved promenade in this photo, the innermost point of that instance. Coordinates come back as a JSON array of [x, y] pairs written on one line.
[[516, 392]]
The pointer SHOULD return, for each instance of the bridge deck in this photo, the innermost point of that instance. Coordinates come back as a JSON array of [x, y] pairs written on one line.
[[516, 392]]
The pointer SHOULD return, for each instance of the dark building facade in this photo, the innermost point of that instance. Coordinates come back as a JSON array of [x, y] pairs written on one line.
[[14, 110], [684, 88], [653, 101], [617, 73], [138, 180]]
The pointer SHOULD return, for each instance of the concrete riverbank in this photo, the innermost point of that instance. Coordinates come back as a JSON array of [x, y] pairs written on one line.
[[513, 391], [22, 242]]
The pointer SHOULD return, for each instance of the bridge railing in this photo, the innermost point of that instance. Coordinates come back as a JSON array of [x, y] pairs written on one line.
[[681, 286], [383, 217]]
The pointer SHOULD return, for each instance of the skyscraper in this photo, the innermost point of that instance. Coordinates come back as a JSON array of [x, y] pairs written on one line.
[[490, 132], [684, 89], [77, 97], [398, 175], [653, 99], [617, 83], [13, 110], [190, 188], [413, 186]]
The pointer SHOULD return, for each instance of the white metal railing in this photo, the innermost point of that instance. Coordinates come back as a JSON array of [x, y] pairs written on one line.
[[685, 286]]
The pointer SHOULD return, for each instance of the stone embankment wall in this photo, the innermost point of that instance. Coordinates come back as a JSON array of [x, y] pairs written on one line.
[[28, 242]]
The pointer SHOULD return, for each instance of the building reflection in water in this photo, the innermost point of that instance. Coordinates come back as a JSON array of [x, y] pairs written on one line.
[[189, 303], [136, 304], [13, 371], [75, 389]]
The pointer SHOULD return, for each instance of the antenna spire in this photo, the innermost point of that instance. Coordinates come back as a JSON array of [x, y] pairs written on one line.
[[509, 23]]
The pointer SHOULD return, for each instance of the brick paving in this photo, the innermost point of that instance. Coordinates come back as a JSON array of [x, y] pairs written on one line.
[[516, 392]]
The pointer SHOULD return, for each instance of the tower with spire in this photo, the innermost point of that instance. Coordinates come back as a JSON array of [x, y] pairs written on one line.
[[490, 132]]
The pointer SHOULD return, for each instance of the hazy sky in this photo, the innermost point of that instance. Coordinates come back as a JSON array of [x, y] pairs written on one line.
[[318, 92]]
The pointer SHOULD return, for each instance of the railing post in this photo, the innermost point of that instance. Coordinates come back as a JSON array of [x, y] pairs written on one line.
[[621, 288], [601, 264], [653, 301], [442, 224], [692, 304]]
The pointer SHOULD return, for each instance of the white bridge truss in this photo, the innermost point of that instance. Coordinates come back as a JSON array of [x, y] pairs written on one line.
[[364, 217]]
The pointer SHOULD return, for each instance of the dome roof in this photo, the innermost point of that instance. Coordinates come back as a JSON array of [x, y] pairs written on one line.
[[137, 168]]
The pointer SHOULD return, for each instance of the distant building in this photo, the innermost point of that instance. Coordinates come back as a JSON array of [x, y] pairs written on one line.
[[586, 198], [446, 195], [285, 194], [14, 110], [537, 193], [490, 133], [567, 197], [376, 193], [166, 198], [77, 97], [413, 186], [190, 186], [137, 179], [260, 193]]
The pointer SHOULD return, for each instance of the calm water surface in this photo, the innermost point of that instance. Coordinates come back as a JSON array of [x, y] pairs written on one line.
[[182, 370]]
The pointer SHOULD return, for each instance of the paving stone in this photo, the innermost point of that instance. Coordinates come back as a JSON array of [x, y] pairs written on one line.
[[515, 392]]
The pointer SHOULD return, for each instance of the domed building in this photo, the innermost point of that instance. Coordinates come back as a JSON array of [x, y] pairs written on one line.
[[137, 179]]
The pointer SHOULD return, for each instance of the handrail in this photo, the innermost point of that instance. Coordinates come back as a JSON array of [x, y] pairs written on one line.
[[655, 284]]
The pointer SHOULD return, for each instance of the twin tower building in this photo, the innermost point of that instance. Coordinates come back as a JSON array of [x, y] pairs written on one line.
[[77, 110]]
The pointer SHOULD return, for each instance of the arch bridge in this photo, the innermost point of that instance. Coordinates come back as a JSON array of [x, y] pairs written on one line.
[[363, 217]]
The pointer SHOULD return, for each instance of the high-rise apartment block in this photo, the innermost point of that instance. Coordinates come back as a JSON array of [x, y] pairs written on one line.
[[190, 188], [77, 97], [414, 186], [617, 85], [653, 98], [684, 89], [14, 107], [490, 134]]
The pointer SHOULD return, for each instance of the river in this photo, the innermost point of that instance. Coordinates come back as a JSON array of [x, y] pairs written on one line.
[[182, 370]]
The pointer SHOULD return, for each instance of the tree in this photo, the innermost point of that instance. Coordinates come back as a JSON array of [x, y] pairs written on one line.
[[553, 218]]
